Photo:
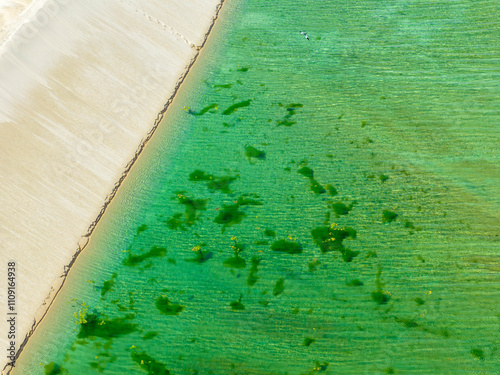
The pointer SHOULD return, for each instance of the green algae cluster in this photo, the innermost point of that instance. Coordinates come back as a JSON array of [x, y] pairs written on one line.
[[270, 233], [252, 152], [133, 260], [191, 206], [340, 208], [200, 256], [306, 172], [236, 106], [308, 341], [419, 301], [141, 229], [406, 322], [388, 216], [53, 368], [209, 108], [231, 214], [167, 307], [221, 184], [329, 238], [315, 186], [279, 287], [355, 282], [149, 364], [290, 111], [150, 335], [287, 246], [237, 305], [312, 266], [252, 274], [214, 183], [225, 86], [379, 296], [243, 200], [478, 353], [95, 326], [108, 284], [331, 190], [235, 262]]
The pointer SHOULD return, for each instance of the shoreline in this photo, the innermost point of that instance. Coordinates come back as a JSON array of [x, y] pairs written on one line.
[[82, 244]]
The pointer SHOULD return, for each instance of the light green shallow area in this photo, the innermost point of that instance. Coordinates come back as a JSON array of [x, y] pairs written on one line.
[[314, 206]]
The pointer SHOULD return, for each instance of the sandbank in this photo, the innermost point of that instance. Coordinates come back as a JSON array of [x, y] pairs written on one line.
[[83, 86]]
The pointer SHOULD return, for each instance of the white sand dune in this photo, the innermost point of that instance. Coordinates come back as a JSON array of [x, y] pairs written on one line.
[[81, 86]]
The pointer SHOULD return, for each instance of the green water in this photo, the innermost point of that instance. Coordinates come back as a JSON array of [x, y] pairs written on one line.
[[323, 206]]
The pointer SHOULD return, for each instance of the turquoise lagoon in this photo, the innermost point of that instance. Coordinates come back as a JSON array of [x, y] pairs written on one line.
[[308, 206]]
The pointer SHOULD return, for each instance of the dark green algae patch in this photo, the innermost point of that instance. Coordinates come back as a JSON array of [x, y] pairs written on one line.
[[209, 108], [53, 368], [315, 186], [330, 238], [107, 286], [192, 206], [340, 208], [149, 364], [237, 305], [214, 183], [290, 111], [279, 287], [231, 214], [306, 172], [95, 326], [133, 260], [252, 274], [167, 307], [287, 246], [252, 152], [388, 216], [236, 106]]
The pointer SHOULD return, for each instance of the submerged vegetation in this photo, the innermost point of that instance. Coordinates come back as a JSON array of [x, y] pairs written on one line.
[[236, 261], [97, 326], [380, 296], [200, 255], [54, 369], [167, 307], [330, 238], [214, 183], [133, 260], [237, 305], [149, 364], [289, 246], [231, 214], [236, 106], [252, 274], [252, 152], [212, 108], [279, 287], [388, 216], [192, 207]]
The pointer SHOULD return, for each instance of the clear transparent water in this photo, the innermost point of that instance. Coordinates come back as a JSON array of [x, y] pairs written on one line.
[[389, 108]]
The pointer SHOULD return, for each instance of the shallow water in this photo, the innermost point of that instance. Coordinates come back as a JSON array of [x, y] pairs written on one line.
[[323, 206]]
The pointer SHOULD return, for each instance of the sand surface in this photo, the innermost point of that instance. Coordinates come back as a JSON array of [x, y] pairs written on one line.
[[81, 87]]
